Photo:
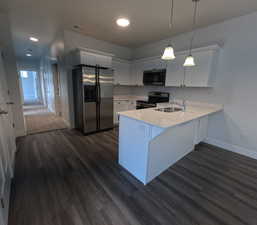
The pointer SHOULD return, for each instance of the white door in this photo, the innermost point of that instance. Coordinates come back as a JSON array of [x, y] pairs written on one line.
[[7, 142], [6, 120]]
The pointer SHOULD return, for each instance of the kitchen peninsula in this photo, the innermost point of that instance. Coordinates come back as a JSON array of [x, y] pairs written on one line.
[[152, 140]]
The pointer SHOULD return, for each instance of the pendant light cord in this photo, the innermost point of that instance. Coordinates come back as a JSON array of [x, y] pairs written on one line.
[[171, 14], [194, 23]]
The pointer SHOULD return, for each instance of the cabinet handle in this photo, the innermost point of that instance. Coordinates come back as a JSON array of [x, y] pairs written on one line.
[[2, 203], [10, 103], [2, 112]]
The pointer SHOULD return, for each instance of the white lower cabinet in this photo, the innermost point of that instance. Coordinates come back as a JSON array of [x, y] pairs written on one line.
[[121, 106], [201, 129], [146, 150]]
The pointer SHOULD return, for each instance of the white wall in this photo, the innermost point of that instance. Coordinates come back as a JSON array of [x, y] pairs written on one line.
[[56, 52], [28, 64], [235, 85], [12, 74], [75, 40], [48, 85]]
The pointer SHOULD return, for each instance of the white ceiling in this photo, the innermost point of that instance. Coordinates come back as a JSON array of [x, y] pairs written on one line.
[[149, 19]]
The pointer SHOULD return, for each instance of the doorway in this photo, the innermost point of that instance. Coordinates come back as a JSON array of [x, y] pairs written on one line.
[[41, 99], [32, 94]]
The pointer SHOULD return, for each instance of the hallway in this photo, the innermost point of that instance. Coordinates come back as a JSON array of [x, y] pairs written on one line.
[[39, 119], [65, 178]]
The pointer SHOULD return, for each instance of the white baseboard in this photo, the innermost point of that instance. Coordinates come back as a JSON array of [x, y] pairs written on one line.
[[233, 148]]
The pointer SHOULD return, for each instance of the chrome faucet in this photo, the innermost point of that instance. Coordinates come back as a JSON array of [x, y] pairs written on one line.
[[173, 102], [184, 105]]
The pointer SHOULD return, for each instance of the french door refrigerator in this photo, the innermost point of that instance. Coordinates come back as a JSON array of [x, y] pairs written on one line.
[[93, 98]]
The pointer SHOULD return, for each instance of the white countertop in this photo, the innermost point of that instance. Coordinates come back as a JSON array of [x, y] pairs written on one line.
[[193, 111]]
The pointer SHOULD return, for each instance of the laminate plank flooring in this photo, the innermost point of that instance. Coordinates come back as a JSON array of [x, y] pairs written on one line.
[[65, 178]]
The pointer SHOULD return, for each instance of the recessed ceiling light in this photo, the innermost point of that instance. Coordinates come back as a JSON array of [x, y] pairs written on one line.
[[33, 39], [28, 54], [122, 22]]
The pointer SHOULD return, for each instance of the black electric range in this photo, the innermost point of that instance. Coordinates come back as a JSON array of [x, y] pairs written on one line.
[[153, 98]]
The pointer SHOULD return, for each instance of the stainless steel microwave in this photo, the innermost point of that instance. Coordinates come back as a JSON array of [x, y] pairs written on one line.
[[154, 77]]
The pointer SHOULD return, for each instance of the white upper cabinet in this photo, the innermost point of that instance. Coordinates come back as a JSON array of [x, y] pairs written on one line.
[[91, 58], [201, 75], [137, 73], [122, 75], [131, 73], [175, 72]]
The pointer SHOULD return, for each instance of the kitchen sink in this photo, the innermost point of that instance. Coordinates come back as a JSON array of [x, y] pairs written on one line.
[[169, 109]]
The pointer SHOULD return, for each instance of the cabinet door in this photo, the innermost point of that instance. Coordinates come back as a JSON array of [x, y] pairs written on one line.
[[104, 61], [88, 58], [120, 106], [202, 130], [137, 73], [175, 72], [131, 105], [199, 75], [93, 59], [121, 73]]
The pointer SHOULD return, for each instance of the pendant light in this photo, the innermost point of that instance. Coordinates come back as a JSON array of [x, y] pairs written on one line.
[[168, 53], [190, 61]]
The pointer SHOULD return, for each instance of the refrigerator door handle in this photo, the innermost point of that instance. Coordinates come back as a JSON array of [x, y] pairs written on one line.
[[98, 96], [99, 86]]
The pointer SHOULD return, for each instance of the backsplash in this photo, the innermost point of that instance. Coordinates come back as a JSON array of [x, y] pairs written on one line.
[[122, 90], [192, 94]]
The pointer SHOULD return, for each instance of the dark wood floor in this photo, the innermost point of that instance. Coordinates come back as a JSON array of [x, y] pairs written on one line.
[[64, 178]]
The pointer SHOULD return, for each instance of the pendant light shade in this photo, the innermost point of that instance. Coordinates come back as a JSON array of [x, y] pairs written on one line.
[[168, 53], [190, 61]]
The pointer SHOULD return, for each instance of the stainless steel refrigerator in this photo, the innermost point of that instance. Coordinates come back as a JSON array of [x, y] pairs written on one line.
[[93, 98]]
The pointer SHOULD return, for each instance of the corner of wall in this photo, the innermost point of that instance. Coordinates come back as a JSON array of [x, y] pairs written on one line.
[[230, 147]]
